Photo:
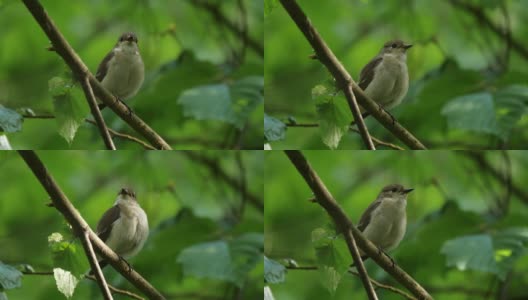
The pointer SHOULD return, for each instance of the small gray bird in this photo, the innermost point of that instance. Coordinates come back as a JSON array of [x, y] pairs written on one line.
[[385, 78], [124, 227], [122, 71], [385, 220]]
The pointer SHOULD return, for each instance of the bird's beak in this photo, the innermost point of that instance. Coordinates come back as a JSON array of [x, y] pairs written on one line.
[[407, 191], [406, 47]]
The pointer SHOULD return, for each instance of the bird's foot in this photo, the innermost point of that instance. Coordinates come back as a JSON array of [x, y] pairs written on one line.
[[380, 250], [381, 108], [392, 117], [124, 103], [126, 262]]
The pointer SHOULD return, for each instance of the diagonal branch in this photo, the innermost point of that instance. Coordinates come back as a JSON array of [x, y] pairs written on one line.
[[302, 165], [343, 79], [343, 223], [65, 207], [99, 121], [480, 160], [502, 33], [63, 48], [214, 10], [215, 168], [92, 259], [354, 107]]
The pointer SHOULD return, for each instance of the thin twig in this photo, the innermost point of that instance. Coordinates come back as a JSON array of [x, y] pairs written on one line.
[[351, 128], [91, 277], [343, 79], [88, 93], [110, 130], [243, 183], [386, 287], [508, 181], [358, 262], [358, 118], [243, 30], [118, 291], [343, 223], [507, 35], [92, 259], [380, 142], [125, 136]]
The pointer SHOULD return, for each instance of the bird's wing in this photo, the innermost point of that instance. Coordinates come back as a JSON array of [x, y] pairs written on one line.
[[367, 73], [365, 218], [103, 66], [107, 221]]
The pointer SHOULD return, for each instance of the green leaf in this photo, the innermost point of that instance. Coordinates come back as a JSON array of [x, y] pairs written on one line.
[[269, 5], [59, 86], [65, 281], [196, 73], [246, 252], [274, 272], [210, 259], [70, 106], [10, 120], [471, 252], [474, 112], [207, 102], [10, 277], [509, 245], [495, 253], [511, 105], [246, 94], [274, 129], [332, 257], [231, 104], [322, 237], [67, 255], [517, 91], [228, 261], [334, 115]]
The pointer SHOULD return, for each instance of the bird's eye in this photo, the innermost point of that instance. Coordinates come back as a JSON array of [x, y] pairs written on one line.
[[394, 45]]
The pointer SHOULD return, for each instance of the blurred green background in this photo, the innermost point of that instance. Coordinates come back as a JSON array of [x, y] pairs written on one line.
[[188, 203], [468, 84], [203, 84], [463, 212]]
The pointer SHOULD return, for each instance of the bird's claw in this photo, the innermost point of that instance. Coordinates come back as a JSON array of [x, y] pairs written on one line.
[[124, 260], [126, 105]]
